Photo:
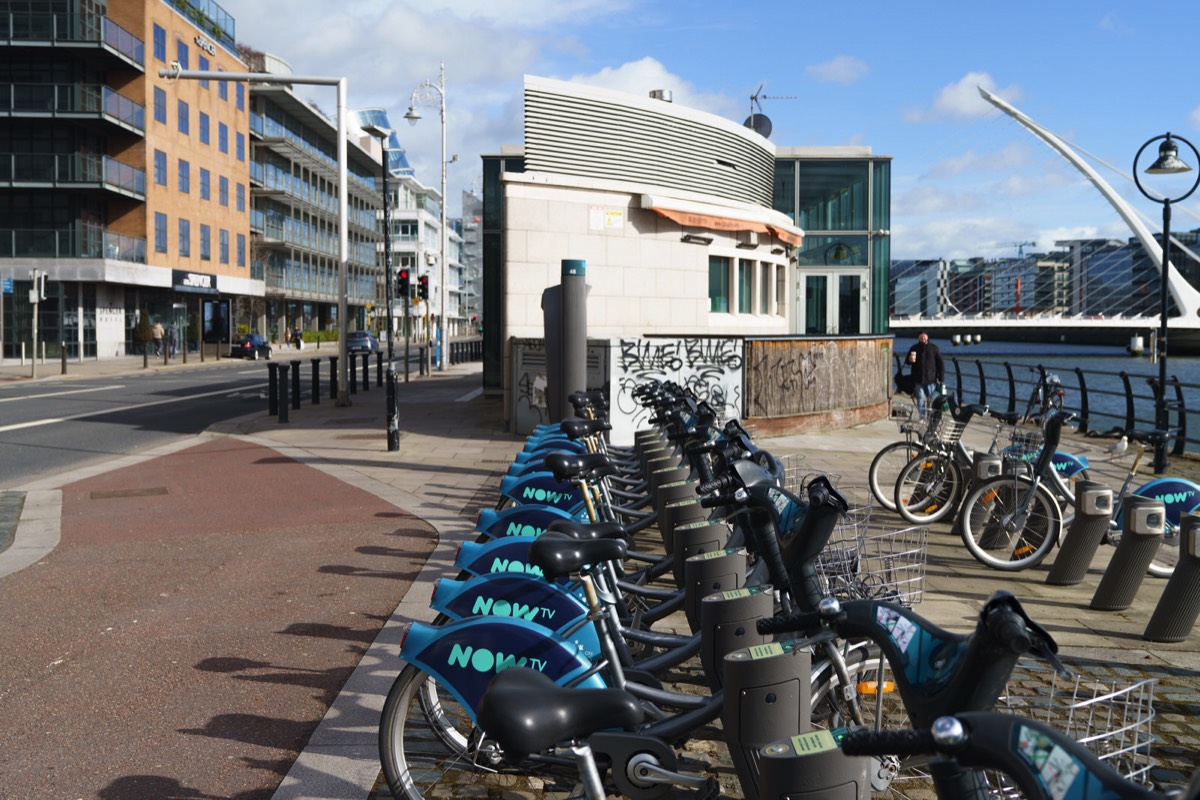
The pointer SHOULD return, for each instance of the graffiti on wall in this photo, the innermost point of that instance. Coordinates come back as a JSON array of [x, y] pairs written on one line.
[[711, 368]]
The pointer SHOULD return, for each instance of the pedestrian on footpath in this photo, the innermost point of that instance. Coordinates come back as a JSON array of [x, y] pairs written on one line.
[[158, 337], [927, 369]]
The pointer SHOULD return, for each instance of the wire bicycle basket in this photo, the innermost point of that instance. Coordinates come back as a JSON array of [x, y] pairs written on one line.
[[865, 562], [1113, 719]]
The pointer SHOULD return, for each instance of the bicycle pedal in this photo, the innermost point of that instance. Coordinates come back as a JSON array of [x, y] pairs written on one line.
[[711, 790]]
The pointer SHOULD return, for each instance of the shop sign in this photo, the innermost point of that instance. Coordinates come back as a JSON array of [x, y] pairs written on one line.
[[194, 282]]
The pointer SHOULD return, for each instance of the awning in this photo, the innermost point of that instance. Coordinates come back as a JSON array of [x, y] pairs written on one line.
[[697, 215]]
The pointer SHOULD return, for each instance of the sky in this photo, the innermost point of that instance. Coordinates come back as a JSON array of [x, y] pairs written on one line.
[[900, 78]]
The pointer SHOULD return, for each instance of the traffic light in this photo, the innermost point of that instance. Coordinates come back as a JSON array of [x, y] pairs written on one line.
[[423, 287], [402, 277]]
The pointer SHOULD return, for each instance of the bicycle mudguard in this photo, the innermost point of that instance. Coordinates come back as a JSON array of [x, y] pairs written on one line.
[[1067, 464], [527, 520], [463, 656], [542, 488], [547, 604], [1178, 495]]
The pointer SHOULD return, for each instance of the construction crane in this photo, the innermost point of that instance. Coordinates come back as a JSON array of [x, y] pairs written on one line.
[[1020, 247]]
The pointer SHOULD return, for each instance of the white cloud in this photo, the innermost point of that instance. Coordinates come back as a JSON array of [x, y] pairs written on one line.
[[640, 77], [840, 69], [1114, 23], [928, 199], [1195, 116], [961, 100]]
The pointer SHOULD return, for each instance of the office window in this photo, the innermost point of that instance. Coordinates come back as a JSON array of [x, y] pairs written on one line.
[[718, 284], [160, 105], [205, 185], [222, 88], [181, 53], [160, 232], [240, 91], [202, 65], [745, 286], [241, 249], [223, 190], [203, 128], [241, 147], [185, 238], [160, 167], [160, 42], [183, 118], [241, 197], [185, 176], [205, 244], [223, 246], [764, 288], [222, 136]]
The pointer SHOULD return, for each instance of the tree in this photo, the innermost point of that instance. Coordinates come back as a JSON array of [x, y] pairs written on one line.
[[142, 332]]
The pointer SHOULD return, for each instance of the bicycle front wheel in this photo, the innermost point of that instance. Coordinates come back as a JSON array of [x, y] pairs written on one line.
[[1008, 525], [879, 701], [928, 488], [429, 747], [885, 469]]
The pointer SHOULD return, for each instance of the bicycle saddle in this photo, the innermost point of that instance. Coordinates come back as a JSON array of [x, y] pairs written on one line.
[[578, 428], [1154, 437], [590, 530], [558, 555], [526, 712], [566, 466]]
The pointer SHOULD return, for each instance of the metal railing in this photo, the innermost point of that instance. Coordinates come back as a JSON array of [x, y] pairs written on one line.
[[1103, 400], [72, 98], [58, 168], [77, 241], [68, 27]]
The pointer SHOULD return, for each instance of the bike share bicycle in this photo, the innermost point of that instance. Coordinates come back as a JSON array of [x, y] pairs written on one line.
[[1012, 522]]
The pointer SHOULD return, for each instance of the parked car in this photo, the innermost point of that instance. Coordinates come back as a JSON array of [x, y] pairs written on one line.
[[250, 345], [361, 342]]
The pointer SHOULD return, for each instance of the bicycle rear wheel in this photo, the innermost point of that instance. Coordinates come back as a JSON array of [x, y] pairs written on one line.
[[1009, 526], [928, 488], [885, 468], [429, 747]]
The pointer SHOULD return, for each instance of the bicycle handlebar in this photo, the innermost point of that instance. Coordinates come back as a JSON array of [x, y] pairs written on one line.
[[795, 622], [906, 742]]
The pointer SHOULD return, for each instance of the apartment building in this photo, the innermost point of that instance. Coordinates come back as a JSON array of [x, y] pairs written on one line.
[[207, 205]]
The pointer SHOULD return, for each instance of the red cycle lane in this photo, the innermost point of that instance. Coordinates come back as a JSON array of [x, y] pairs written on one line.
[[192, 627]]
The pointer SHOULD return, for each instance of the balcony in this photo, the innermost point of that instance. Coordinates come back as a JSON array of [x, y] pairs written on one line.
[[20, 27], [71, 170], [32, 100], [81, 240]]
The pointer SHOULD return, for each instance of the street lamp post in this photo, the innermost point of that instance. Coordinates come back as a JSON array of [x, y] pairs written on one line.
[[425, 94], [1168, 163], [393, 421]]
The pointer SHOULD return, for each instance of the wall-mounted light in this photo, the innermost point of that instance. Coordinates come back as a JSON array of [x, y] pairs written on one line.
[[692, 238]]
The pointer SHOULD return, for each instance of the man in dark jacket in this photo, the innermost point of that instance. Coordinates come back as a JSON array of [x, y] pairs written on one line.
[[928, 370]]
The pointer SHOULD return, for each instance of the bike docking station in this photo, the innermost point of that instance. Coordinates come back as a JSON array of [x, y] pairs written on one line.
[[1177, 609], [711, 573], [815, 761], [1093, 510], [727, 622], [1145, 520]]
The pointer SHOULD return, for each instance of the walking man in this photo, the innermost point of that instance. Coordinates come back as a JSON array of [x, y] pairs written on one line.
[[928, 370]]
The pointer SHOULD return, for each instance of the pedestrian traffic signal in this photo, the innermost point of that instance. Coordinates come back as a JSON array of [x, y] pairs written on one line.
[[423, 287], [402, 277]]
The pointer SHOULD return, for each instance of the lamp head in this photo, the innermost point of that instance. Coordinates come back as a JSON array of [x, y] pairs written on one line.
[[413, 115], [1168, 162]]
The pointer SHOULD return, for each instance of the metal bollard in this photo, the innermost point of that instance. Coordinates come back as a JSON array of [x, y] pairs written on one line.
[[379, 368], [366, 369], [273, 388], [333, 377], [1093, 510], [1142, 534], [352, 373], [316, 380], [62, 351], [1177, 609], [296, 384], [283, 392]]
